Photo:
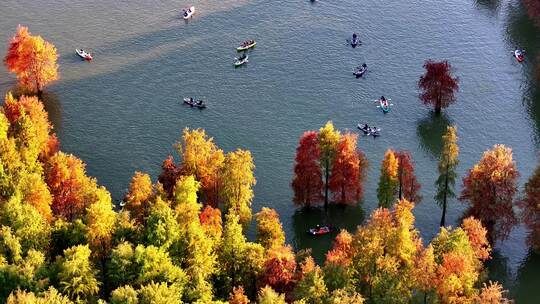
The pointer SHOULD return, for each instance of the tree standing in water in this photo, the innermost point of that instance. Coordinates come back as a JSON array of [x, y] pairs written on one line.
[[438, 85], [489, 189], [530, 209], [328, 142], [447, 171], [32, 59], [388, 182], [307, 182]]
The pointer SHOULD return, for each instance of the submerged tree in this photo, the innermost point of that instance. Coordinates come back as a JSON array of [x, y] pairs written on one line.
[[408, 187], [489, 189], [388, 182], [32, 59], [328, 142], [346, 177], [530, 209], [447, 171], [438, 85], [307, 182]]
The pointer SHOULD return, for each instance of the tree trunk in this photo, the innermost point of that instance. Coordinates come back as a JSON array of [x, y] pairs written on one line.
[[443, 217], [400, 182], [425, 297], [326, 173]]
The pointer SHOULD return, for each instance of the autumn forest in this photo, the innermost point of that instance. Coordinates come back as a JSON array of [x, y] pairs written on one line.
[[181, 237]]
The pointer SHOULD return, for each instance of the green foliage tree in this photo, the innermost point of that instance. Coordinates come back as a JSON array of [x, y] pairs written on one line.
[[447, 171], [77, 276], [328, 142], [268, 296]]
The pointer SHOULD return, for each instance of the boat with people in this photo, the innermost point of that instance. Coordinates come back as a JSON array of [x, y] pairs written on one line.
[[241, 60], [373, 131], [246, 45], [188, 12], [320, 230], [360, 71], [194, 103], [384, 104], [355, 41], [520, 55], [84, 54]]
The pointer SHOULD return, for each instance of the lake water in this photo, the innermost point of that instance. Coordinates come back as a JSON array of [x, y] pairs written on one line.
[[121, 113]]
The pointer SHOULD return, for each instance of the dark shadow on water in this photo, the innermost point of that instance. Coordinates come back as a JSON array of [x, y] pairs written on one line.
[[498, 270], [341, 217], [528, 280], [53, 107], [491, 5], [523, 33], [430, 131]]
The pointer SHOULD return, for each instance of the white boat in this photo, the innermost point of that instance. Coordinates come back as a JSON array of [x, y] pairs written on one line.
[[188, 13], [83, 54], [246, 45], [520, 55], [241, 60]]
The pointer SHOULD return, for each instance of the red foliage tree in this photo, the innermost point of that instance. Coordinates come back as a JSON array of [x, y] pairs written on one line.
[[489, 189], [211, 221], [408, 187], [346, 177], [437, 85], [530, 209], [307, 182], [169, 174], [279, 270]]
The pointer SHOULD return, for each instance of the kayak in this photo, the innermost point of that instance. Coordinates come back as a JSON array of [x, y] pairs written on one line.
[[355, 40], [246, 45], [384, 105], [188, 13], [240, 61], [83, 54], [373, 131], [360, 71], [321, 230], [194, 103], [520, 55]]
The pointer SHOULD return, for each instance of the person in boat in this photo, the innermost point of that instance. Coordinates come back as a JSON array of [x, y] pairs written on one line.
[[199, 102], [364, 65], [191, 99], [365, 127]]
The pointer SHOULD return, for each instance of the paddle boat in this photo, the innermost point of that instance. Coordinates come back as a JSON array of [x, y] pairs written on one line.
[[384, 104], [241, 60], [355, 41], [520, 55], [84, 55], [373, 131], [194, 103], [246, 45], [188, 12], [360, 71], [320, 230]]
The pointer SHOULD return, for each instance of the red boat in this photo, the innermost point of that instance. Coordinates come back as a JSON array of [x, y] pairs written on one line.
[[83, 54], [520, 55], [320, 230]]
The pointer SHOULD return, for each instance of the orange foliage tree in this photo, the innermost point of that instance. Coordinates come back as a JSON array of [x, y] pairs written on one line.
[[32, 59], [138, 196], [489, 189], [408, 187], [345, 179], [307, 182], [66, 177]]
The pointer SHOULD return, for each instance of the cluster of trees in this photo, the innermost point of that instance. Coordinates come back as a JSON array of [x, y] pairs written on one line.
[[62, 241], [333, 157], [32, 59]]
